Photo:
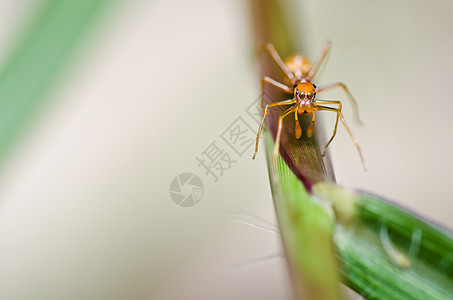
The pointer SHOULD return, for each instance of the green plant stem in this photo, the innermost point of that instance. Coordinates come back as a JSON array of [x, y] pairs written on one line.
[[306, 227]]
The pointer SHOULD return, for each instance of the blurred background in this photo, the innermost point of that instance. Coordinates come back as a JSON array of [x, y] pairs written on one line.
[[104, 103]]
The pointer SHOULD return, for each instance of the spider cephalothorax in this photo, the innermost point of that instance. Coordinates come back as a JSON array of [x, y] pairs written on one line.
[[304, 94]]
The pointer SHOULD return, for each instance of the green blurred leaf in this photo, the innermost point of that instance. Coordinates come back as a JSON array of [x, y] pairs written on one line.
[[39, 59], [387, 252]]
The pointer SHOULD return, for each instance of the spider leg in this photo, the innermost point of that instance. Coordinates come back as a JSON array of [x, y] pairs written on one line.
[[279, 133], [298, 130], [275, 83], [312, 126], [317, 104], [290, 76], [346, 90], [320, 60], [340, 116], [286, 102]]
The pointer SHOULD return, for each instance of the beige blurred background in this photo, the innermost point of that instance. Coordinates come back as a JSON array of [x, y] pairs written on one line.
[[85, 209]]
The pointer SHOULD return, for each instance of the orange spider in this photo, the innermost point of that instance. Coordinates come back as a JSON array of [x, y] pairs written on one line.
[[300, 72]]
